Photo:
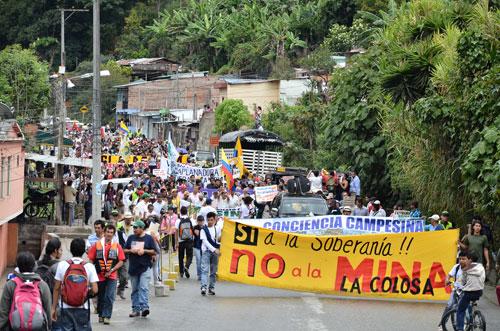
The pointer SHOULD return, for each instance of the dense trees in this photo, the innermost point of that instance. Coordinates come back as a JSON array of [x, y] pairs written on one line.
[[417, 114]]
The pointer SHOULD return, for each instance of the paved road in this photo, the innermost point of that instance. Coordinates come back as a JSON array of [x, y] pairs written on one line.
[[241, 307]]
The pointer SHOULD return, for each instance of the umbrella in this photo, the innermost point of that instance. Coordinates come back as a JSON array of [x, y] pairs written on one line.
[[182, 150]]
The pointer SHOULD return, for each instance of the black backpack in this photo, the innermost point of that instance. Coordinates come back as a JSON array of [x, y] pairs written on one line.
[[186, 232], [46, 275]]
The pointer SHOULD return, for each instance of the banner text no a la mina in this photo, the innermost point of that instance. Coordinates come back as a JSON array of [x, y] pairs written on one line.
[[409, 266]]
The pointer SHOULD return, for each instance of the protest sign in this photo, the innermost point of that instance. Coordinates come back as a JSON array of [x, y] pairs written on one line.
[[409, 266], [339, 224], [265, 193], [228, 212], [180, 170], [160, 173]]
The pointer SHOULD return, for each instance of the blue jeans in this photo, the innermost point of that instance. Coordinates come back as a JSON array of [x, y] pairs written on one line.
[[197, 256], [208, 260], [463, 303], [75, 319], [140, 291], [70, 207], [106, 297]]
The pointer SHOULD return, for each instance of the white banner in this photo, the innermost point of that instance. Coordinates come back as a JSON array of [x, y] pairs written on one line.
[[265, 193], [339, 224], [180, 170]]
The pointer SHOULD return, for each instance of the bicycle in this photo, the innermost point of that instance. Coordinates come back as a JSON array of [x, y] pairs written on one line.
[[474, 319]]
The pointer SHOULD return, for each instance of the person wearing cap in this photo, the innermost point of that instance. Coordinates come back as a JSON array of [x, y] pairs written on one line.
[[434, 226], [124, 230], [141, 249], [445, 222], [377, 209]]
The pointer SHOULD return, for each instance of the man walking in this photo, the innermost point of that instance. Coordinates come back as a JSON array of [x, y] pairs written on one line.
[[210, 255], [184, 239], [70, 201], [125, 230], [107, 257], [73, 292], [141, 248]]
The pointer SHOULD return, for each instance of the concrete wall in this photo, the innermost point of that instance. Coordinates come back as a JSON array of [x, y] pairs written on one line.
[[174, 94], [31, 238], [255, 94], [207, 123], [292, 90]]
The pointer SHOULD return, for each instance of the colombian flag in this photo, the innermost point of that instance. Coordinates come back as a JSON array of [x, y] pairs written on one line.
[[123, 128], [227, 169]]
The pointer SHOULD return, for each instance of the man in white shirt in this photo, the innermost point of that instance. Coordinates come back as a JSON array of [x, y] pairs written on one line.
[[71, 317], [234, 200], [210, 252], [377, 209], [207, 209], [158, 205], [196, 197]]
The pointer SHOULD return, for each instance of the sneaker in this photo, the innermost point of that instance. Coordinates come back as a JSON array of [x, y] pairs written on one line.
[[145, 313], [203, 291], [106, 321], [101, 319], [182, 275], [134, 314], [186, 272], [211, 292]]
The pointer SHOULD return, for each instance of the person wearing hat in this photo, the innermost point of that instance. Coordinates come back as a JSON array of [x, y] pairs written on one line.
[[124, 229], [346, 211], [445, 222], [434, 226], [141, 249], [377, 209]]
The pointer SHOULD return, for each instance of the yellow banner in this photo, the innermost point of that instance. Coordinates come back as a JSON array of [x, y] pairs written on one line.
[[115, 159], [410, 266]]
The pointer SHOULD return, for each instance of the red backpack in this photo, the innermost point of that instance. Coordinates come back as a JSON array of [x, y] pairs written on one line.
[[26, 312], [75, 284]]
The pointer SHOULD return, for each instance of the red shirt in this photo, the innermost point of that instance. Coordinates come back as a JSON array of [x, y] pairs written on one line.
[[92, 257]]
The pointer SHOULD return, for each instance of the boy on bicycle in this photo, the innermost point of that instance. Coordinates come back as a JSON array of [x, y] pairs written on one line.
[[456, 274], [473, 276]]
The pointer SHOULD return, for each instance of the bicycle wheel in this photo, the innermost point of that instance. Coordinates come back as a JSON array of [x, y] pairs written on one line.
[[448, 323], [31, 210], [478, 322]]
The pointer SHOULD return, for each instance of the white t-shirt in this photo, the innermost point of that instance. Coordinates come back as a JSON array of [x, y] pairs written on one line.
[[205, 210], [89, 268], [316, 184], [205, 244], [234, 201], [245, 210]]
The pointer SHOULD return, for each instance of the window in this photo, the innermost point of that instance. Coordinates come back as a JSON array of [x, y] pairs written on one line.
[[2, 176], [9, 159]]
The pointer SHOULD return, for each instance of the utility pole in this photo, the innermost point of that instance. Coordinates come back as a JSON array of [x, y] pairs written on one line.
[[61, 107], [96, 108]]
